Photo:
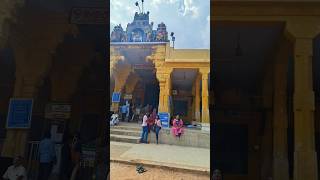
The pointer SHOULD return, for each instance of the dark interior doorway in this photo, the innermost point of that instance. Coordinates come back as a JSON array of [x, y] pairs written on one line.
[[152, 91]]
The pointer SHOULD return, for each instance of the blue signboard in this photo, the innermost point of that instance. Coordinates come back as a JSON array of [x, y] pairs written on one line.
[[19, 114], [116, 97], [165, 119]]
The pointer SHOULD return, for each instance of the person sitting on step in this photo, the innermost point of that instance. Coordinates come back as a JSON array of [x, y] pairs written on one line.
[[177, 129]]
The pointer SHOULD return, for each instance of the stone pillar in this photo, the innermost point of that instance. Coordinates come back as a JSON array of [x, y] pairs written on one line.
[[130, 85], [33, 47], [8, 14], [193, 105], [266, 138], [305, 156], [205, 119], [121, 74], [197, 98], [114, 59], [164, 78], [16, 139], [280, 119], [118, 72], [32, 65], [169, 92]]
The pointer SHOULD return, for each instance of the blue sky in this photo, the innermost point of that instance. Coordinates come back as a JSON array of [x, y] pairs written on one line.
[[188, 19]]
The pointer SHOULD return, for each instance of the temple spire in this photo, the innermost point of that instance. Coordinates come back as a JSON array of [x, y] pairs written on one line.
[[142, 1], [140, 29], [137, 4]]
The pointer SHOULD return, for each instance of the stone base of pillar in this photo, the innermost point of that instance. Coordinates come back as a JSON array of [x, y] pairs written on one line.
[[205, 127], [197, 116], [115, 107], [305, 163], [15, 143], [281, 168]]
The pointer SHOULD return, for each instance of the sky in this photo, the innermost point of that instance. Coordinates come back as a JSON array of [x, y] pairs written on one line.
[[188, 19]]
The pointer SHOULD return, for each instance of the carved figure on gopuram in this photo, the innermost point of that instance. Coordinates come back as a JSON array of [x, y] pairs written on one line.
[[162, 34], [118, 34], [140, 30], [149, 34]]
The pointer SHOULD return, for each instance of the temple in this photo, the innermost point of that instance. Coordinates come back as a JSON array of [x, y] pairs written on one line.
[[140, 30], [144, 67]]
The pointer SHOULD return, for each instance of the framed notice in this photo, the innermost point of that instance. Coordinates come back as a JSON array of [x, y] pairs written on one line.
[[19, 113], [55, 110], [165, 119], [128, 96], [116, 97]]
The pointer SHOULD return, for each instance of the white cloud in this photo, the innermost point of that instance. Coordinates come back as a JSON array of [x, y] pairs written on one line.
[[184, 7], [115, 4], [159, 2], [188, 7]]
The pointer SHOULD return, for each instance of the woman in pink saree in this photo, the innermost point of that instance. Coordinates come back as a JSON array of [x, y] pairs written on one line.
[[177, 127]]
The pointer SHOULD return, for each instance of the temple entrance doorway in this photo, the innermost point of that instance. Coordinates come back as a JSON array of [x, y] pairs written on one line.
[[140, 87], [245, 68], [146, 91]]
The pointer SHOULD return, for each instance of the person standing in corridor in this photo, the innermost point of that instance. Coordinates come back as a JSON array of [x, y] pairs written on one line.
[[158, 126], [144, 135], [47, 157]]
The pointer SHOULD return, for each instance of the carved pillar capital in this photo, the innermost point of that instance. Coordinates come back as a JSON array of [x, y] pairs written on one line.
[[204, 72], [309, 31], [114, 59]]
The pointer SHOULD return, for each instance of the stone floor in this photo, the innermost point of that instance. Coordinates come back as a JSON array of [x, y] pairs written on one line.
[[188, 159], [120, 171]]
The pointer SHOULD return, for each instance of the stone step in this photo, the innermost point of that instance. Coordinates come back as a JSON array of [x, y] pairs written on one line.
[[125, 132], [124, 138], [133, 128]]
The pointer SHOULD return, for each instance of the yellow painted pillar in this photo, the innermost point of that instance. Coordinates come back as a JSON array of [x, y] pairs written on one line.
[[118, 72], [121, 74], [131, 83], [169, 90], [197, 98], [193, 105], [114, 59], [16, 139], [305, 156], [205, 119], [164, 78], [280, 119], [32, 65], [161, 106]]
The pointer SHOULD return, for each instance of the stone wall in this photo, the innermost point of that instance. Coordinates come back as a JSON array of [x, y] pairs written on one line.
[[191, 138]]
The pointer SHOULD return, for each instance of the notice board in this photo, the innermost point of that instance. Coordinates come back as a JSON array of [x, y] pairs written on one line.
[[19, 113]]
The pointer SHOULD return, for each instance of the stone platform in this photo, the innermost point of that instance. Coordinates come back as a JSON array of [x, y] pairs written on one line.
[[131, 132]]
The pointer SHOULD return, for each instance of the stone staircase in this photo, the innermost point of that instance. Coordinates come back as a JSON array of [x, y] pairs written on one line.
[[129, 133]]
